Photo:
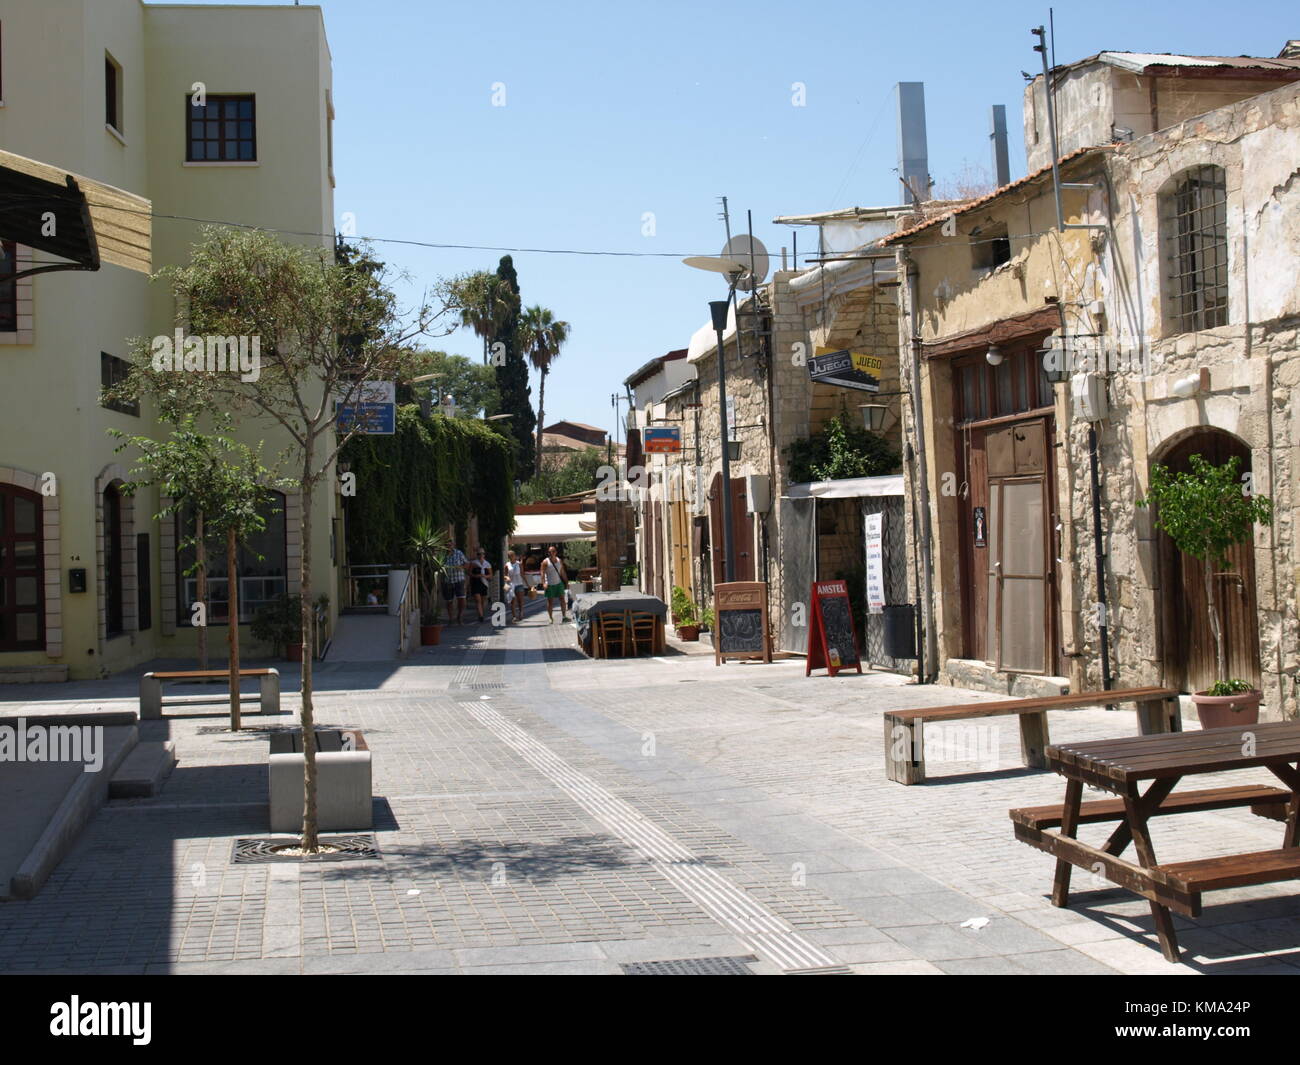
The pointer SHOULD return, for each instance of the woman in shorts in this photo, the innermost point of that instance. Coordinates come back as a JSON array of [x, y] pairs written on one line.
[[480, 571]]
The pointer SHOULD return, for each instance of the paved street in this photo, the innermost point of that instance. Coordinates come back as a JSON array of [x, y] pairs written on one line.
[[544, 813]]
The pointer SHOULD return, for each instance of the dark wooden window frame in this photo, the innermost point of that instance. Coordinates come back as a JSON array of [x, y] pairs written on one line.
[[113, 371], [215, 115], [114, 585], [9, 571], [113, 102]]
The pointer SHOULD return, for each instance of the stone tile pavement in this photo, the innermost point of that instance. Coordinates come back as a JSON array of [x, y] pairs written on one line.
[[540, 812]]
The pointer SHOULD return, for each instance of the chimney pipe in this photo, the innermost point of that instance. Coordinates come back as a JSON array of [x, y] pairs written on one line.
[[913, 153], [998, 144]]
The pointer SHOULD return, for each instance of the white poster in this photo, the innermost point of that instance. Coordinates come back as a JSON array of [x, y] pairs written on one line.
[[875, 563]]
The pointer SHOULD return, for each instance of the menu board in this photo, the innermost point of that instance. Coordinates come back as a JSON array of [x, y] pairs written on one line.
[[875, 563], [832, 643], [740, 621]]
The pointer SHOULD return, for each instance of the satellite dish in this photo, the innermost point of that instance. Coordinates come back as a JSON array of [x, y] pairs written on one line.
[[721, 265], [748, 250]]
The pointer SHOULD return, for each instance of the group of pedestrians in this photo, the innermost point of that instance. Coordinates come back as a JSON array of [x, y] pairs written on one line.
[[462, 575]]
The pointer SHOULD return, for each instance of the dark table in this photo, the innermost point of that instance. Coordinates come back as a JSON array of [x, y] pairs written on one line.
[[589, 604], [1121, 766]]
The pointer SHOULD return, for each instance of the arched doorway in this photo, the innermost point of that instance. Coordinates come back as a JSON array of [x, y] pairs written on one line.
[[1187, 642]]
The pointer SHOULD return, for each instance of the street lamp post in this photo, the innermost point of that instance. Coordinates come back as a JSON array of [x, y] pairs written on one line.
[[719, 308]]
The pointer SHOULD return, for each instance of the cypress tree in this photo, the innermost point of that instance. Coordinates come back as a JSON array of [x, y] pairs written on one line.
[[512, 374]]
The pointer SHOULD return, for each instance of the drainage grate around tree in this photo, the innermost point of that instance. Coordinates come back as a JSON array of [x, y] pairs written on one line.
[[692, 967], [353, 848]]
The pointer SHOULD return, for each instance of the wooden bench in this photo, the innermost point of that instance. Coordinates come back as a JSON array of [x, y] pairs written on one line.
[[151, 700], [1157, 710]]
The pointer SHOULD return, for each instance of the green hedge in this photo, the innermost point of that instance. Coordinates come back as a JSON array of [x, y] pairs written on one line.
[[446, 469]]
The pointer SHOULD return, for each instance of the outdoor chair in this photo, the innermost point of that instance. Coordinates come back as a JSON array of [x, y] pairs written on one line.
[[610, 629], [641, 625]]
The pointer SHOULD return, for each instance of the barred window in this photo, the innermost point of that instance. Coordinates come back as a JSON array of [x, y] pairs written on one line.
[[1196, 236]]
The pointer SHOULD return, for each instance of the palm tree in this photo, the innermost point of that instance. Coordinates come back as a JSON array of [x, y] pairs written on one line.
[[540, 338], [485, 304]]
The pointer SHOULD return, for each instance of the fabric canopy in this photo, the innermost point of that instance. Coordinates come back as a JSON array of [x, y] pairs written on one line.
[[848, 488], [553, 528]]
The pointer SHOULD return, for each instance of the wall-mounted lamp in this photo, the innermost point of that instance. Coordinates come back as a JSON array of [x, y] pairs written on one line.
[[1056, 364], [877, 417], [733, 450], [994, 355], [1186, 387]]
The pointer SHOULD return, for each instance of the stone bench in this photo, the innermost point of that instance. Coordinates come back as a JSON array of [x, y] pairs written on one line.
[[151, 700], [343, 781]]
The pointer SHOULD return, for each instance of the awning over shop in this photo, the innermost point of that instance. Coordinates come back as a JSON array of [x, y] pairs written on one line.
[[848, 488], [553, 528]]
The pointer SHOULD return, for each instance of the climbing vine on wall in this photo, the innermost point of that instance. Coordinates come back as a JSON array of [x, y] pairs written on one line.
[[444, 469]]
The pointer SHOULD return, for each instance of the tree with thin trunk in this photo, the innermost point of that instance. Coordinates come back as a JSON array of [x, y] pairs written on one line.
[[227, 481], [541, 337], [323, 325], [1206, 511]]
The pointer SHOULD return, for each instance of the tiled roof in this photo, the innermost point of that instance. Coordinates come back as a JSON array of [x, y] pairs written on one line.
[[970, 205]]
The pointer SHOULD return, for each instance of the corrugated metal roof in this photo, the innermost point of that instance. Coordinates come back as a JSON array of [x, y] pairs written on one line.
[[1078, 153], [1141, 62]]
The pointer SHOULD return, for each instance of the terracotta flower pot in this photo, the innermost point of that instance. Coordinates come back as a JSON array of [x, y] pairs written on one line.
[[1227, 711], [430, 635], [688, 633]]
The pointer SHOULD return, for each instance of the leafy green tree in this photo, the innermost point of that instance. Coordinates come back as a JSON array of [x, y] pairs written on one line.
[[222, 479], [512, 375], [579, 473], [486, 304], [1206, 511], [473, 387], [842, 449], [541, 337], [298, 302]]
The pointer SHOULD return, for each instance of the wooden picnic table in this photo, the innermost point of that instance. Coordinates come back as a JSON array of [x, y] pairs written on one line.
[[1122, 766]]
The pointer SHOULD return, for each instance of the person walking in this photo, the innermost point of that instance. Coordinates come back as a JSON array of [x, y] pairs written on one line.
[[553, 580], [453, 584], [480, 573], [515, 586]]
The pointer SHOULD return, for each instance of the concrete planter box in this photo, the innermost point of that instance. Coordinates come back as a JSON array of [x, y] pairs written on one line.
[[343, 787]]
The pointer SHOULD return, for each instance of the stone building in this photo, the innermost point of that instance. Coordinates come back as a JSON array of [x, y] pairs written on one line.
[[1169, 305], [783, 539]]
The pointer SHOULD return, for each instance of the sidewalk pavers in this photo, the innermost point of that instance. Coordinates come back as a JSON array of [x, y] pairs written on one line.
[[542, 812]]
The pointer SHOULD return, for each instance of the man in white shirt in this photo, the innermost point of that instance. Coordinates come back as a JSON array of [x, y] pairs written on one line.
[[553, 580]]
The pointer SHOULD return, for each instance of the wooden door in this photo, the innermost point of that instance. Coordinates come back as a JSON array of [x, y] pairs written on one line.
[[1187, 641], [742, 532]]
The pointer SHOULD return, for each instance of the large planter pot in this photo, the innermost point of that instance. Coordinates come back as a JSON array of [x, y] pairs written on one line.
[[688, 633], [430, 635], [293, 652], [1226, 711]]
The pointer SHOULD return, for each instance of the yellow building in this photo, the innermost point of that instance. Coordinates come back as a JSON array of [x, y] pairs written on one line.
[[89, 582]]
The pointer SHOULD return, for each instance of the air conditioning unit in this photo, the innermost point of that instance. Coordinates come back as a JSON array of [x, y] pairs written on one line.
[[758, 493], [1089, 393]]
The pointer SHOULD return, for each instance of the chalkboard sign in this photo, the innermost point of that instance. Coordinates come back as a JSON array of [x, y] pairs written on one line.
[[832, 643], [740, 622]]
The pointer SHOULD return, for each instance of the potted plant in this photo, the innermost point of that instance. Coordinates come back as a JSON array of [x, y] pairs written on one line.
[[681, 599], [688, 623], [428, 546], [1206, 512], [706, 624], [279, 623]]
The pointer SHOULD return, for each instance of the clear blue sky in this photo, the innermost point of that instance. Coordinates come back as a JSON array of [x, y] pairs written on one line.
[[616, 110]]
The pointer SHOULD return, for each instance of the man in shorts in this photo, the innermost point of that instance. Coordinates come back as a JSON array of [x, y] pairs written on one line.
[[453, 583], [553, 580]]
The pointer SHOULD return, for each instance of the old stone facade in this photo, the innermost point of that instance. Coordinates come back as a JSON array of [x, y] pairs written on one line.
[[1107, 302]]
